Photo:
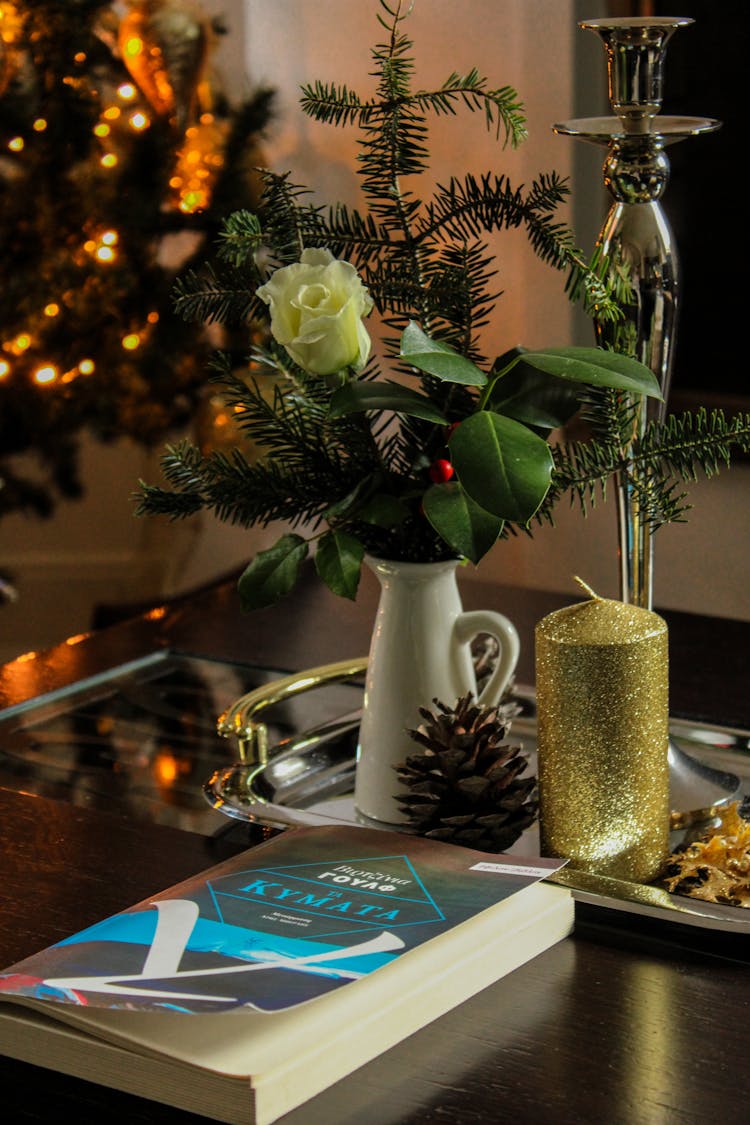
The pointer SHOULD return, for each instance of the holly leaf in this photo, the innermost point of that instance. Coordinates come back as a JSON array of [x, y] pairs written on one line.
[[355, 397], [383, 510], [356, 498], [503, 466], [460, 521], [338, 561], [272, 573], [438, 359], [597, 367], [531, 396]]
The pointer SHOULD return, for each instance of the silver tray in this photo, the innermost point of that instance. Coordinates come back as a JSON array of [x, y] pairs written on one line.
[[308, 779]]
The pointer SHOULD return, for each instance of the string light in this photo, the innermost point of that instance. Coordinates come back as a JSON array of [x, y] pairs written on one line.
[[40, 125], [16, 144], [139, 121], [52, 309], [45, 375], [86, 366], [102, 247], [21, 343], [198, 163], [131, 341], [109, 160], [126, 91], [4, 368]]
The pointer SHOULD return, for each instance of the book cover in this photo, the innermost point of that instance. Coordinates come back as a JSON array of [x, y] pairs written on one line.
[[291, 938]]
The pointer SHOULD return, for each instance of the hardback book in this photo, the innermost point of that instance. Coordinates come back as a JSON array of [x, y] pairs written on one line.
[[245, 990]]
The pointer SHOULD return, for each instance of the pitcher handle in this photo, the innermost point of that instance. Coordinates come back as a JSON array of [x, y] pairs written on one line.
[[469, 625]]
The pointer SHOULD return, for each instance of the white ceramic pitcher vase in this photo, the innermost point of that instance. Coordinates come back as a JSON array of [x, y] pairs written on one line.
[[420, 651]]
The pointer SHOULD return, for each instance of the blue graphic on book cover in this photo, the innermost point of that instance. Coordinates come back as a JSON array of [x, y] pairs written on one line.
[[307, 912]]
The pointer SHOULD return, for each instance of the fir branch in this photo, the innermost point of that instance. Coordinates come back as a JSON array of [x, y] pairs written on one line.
[[289, 225], [212, 295], [651, 466], [240, 238], [334, 105], [503, 111]]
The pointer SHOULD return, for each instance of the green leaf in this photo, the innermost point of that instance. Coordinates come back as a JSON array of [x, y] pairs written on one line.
[[383, 510], [503, 466], [596, 367], [338, 561], [355, 498], [429, 355], [467, 528], [272, 573], [358, 396], [533, 397]]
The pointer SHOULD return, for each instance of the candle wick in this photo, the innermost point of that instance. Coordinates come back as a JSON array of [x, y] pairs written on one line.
[[587, 588]]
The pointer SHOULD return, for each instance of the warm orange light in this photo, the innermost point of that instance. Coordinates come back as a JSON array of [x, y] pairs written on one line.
[[102, 129], [22, 342], [192, 201], [105, 254], [79, 57], [45, 375], [16, 144], [76, 640], [167, 768], [131, 341], [86, 366], [133, 46], [112, 112], [52, 309], [4, 368], [40, 125], [109, 237], [126, 91], [89, 246], [153, 317], [109, 160], [139, 121]]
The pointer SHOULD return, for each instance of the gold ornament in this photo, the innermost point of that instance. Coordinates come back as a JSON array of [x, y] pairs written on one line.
[[603, 731], [164, 45], [716, 868]]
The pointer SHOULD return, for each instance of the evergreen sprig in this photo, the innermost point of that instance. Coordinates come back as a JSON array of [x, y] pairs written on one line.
[[433, 451], [654, 464]]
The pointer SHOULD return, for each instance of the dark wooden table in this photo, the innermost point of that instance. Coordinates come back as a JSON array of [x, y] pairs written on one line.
[[617, 1024]]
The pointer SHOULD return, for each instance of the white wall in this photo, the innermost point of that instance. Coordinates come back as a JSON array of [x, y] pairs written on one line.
[[95, 551]]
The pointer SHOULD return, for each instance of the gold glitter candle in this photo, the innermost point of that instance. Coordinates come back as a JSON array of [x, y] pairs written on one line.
[[603, 732]]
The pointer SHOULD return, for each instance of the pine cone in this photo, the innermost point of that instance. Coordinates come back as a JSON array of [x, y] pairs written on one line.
[[465, 788]]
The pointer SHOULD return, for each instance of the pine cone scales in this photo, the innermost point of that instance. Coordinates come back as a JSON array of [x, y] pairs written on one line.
[[466, 787]]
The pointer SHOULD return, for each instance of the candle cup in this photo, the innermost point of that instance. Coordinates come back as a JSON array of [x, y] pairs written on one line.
[[603, 734]]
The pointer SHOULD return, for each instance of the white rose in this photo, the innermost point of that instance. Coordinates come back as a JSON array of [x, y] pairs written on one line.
[[317, 306]]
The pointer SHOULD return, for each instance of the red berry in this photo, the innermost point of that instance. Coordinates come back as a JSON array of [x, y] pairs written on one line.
[[441, 471]]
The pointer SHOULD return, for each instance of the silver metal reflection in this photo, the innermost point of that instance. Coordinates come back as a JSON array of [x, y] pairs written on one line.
[[636, 236]]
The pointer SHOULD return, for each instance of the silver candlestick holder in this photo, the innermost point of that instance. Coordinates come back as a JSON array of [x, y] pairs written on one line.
[[637, 239]]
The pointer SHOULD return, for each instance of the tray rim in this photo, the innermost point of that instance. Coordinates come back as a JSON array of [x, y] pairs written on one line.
[[645, 900]]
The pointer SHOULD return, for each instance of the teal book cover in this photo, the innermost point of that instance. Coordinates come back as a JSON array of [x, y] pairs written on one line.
[[303, 914]]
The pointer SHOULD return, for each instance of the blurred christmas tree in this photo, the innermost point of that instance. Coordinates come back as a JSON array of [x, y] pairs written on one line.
[[119, 156]]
